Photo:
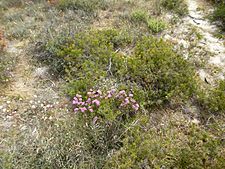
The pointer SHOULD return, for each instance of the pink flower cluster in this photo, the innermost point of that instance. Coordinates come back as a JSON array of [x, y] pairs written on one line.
[[86, 105], [127, 100], [93, 100]]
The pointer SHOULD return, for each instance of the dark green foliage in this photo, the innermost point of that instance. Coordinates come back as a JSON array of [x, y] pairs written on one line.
[[160, 72], [6, 64], [213, 102], [178, 6], [154, 67], [86, 58], [219, 15]]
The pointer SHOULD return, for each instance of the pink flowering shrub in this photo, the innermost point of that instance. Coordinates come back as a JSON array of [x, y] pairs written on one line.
[[108, 105]]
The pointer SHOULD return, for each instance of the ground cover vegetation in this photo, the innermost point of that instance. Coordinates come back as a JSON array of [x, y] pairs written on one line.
[[127, 92]]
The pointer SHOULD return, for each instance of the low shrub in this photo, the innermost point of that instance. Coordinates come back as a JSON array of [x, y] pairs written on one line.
[[156, 25], [219, 15], [153, 67], [85, 5], [82, 139], [213, 101], [168, 147], [159, 71], [3, 67], [139, 16], [177, 6], [87, 57]]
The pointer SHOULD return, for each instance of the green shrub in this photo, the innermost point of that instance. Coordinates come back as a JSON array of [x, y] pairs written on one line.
[[85, 58], [139, 16], [156, 25], [178, 6], [5, 67], [85, 5], [168, 147], [213, 101], [153, 68], [219, 15], [159, 71]]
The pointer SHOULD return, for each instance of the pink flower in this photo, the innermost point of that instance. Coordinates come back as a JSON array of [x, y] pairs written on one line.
[[88, 101], [97, 102], [131, 95], [122, 92], [132, 101], [127, 100], [91, 110], [109, 96], [76, 110], [75, 102], [135, 106], [113, 91], [83, 109]]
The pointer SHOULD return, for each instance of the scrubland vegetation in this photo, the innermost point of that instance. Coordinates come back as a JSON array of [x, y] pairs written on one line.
[[130, 92]]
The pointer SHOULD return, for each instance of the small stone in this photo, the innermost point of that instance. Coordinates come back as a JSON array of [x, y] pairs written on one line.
[[195, 121], [33, 106]]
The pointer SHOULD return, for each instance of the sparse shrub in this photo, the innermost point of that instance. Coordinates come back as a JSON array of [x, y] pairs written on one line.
[[168, 147], [4, 4], [82, 139], [213, 101], [4, 60], [85, 5], [139, 16], [3, 67], [156, 25], [219, 15], [177, 6]]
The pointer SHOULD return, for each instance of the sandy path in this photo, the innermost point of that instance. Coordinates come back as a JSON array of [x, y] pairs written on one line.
[[208, 49]]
